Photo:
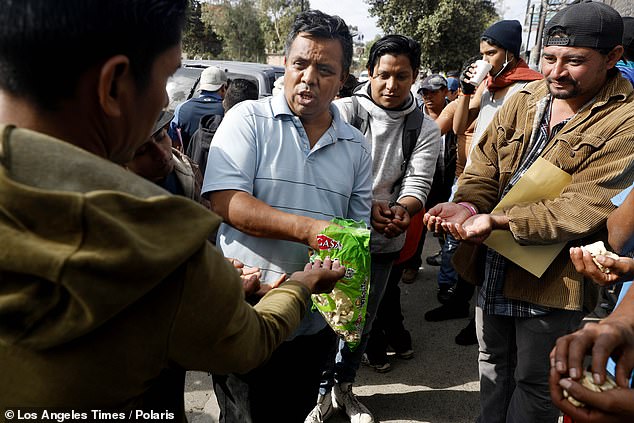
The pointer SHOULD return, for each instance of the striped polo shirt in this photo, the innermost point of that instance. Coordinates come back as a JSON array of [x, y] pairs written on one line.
[[261, 148]]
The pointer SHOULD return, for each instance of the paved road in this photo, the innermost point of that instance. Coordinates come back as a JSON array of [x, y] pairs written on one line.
[[439, 385]]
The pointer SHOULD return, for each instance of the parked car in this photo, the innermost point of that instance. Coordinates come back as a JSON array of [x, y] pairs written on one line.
[[363, 76], [183, 85]]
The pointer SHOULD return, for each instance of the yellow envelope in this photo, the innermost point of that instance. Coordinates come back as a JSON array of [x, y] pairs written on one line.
[[542, 181]]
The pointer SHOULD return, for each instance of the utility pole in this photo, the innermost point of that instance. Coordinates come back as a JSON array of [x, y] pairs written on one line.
[[537, 49], [530, 27]]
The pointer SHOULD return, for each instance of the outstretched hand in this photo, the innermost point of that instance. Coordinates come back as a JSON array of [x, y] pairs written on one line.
[[249, 276], [449, 214], [320, 277], [621, 270], [475, 229]]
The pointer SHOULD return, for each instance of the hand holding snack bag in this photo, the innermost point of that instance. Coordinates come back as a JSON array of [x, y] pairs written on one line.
[[344, 308]]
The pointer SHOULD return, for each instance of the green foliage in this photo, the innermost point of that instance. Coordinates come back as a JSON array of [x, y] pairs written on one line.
[[237, 24], [448, 30], [276, 19], [199, 40]]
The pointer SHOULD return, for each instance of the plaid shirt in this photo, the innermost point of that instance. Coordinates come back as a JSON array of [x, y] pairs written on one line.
[[491, 296]]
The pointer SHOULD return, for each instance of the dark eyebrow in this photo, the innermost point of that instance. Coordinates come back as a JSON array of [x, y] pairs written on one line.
[[575, 56]]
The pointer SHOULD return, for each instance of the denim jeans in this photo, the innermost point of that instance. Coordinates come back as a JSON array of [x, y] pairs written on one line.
[[447, 275], [344, 367]]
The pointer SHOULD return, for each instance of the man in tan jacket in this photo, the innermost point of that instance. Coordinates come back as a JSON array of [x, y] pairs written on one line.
[[110, 290], [580, 119]]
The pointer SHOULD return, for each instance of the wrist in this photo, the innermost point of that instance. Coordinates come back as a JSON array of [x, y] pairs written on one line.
[[472, 209], [500, 221], [396, 203], [306, 230]]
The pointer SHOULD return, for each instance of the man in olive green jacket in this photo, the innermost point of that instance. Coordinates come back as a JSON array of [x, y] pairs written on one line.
[[580, 119], [109, 289]]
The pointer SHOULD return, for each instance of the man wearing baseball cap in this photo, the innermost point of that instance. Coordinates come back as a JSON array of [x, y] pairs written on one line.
[[159, 162], [580, 118], [213, 84], [453, 84]]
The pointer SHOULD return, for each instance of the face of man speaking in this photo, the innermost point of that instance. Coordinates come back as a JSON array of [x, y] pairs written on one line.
[[313, 76]]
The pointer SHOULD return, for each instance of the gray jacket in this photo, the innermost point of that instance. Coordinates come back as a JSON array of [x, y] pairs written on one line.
[[385, 129]]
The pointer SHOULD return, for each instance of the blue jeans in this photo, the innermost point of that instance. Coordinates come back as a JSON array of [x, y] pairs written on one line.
[[344, 367], [447, 275]]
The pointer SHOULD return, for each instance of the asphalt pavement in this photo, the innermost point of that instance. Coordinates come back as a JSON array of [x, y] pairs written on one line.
[[439, 385]]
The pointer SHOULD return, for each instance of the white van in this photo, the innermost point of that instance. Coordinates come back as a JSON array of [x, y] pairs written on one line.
[[183, 85]]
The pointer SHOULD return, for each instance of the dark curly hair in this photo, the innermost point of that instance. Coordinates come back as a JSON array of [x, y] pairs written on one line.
[[320, 25]]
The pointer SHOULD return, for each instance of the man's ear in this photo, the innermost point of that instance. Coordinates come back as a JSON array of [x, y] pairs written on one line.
[[114, 81], [614, 56], [344, 79]]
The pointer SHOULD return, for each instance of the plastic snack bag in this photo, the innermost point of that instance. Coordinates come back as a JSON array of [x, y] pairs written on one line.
[[344, 308]]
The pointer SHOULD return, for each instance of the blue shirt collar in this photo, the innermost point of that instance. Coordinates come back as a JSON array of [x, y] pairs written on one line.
[[343, 130]]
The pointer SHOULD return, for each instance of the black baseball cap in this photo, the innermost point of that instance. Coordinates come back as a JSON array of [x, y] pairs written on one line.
[[628, 36], [587, 24]]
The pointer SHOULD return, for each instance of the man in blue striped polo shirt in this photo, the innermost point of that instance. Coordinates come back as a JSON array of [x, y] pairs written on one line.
[[279, 169]]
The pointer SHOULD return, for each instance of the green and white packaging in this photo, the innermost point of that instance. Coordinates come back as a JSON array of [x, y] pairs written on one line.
[[344, 308]]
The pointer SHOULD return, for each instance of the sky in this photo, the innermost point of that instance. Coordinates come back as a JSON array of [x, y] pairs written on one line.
[[355, 12]]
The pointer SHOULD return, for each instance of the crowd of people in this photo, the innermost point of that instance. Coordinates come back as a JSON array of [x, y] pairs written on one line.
[[141, 243]]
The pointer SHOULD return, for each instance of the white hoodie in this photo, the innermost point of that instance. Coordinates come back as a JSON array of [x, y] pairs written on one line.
[[385, 134]]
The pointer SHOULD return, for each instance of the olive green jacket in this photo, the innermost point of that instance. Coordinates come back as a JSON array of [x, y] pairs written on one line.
[[109, 289], [596, 147]]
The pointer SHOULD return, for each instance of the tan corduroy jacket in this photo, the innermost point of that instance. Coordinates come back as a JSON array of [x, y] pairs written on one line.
[[109, 289], [596, 147]]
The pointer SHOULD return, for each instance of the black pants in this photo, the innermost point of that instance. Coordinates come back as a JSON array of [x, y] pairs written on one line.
[[284, 389]]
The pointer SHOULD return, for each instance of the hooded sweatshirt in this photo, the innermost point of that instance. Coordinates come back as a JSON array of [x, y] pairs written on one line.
[[385, 134], [109, 290]]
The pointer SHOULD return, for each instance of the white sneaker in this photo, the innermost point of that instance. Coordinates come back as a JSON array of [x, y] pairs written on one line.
[[322, 411], [344, 398]]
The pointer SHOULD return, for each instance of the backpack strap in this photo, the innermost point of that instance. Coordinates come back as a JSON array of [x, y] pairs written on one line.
[[360, 116], [411, 131]]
